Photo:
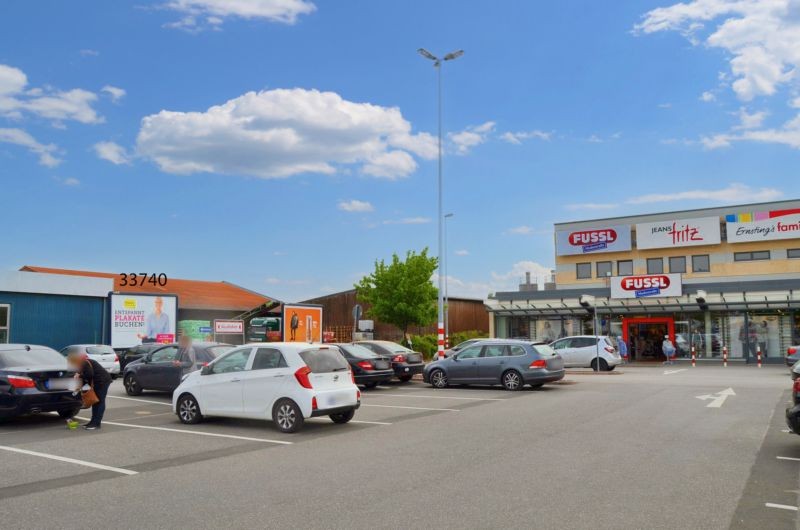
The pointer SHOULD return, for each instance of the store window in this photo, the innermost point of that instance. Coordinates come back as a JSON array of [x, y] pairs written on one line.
[[520, 328], [701, 263], [5, 311], [793, 253], [796, 328], [677, 264], [625, 268], [757, 255], [584, 271], [655, 265], [603, 269]]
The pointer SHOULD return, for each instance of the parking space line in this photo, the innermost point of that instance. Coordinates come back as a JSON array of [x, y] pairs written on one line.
[[411, 408], [781, 506], [141, 400], [788, 458], [145, 416], [199, 433], [443, 397], [69, 460]]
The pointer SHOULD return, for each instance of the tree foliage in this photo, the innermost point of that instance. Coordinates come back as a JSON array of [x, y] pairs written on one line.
[[401, 293]]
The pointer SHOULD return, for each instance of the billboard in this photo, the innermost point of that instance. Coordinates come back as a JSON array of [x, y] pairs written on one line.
[[142, 318], [302, 323], [646, 286], [595, 240], [678, 233], [763, 226]]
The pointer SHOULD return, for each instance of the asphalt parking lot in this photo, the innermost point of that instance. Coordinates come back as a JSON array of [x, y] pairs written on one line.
[[644, 447]]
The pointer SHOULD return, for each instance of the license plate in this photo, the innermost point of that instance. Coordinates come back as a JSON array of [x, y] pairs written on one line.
[[63, 383], [334, 400]]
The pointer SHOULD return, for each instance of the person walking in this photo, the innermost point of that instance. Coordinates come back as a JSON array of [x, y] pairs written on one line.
[[90, 373], [668, 349], [623, 349], [187, 357]]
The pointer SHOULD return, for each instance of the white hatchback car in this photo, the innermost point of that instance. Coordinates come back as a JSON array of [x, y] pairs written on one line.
[[284, 382], [581, 351], [103, 354]]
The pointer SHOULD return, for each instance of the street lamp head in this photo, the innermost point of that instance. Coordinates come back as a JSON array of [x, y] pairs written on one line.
[[453, 55], [428, 55], [448, 216]]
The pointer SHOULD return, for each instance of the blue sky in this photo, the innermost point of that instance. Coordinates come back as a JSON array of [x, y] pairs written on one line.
[[286, 144]]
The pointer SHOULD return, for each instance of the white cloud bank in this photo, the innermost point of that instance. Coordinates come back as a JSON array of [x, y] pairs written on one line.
[[470, 137], [518, 137], [115, 93], [46, 153], [210, 14], [284, 132], [112, 152], [355, 206]]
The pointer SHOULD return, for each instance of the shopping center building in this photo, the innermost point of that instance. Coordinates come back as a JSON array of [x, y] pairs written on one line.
[[709, 278]]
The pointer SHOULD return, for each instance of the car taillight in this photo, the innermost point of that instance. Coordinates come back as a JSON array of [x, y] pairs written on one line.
[[314, 403], [609, 349], [399, 358], [365, 365], [791, 351], [302, 377], [116, 358], [539, 363], [352, 376], [796, 386], [21, 382], [358, 395], [204, 364]]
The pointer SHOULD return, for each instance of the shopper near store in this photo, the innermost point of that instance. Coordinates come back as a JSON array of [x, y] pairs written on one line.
[[762, 334], [668, 349], [623, 348], [92, 375], [187, 358]]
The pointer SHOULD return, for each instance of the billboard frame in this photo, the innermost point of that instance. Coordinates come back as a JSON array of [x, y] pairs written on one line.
[[284, 325], [110, 308]]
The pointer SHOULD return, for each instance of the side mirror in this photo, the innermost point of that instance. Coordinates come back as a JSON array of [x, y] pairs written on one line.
[[206, 370]]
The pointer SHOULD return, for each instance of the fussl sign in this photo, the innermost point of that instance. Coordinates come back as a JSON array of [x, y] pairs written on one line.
[[646, 286]]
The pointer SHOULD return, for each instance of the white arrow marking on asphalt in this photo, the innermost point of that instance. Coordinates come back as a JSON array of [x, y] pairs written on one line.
[[717, 399], [668, 372]]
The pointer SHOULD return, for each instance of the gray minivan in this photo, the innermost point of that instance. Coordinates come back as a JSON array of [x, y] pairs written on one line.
[[511, 363]]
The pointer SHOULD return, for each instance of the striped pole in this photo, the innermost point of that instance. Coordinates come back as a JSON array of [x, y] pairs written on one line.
[[694, 357], [758, 351], [441, 340], [724, 356]]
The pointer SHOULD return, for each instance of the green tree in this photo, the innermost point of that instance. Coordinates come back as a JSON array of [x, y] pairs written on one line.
[[401, 293]]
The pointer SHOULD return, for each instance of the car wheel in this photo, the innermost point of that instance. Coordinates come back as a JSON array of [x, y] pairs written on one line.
[[438, 379], [512, 380], [610, 368], [287, 416], [132, 387], [603, 365], [370, 384], [189, 410], [71, 413], [404, 378], [343, 417]]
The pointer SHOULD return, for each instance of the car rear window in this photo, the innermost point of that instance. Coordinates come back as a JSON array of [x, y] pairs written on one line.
[[34, 357], [358, 351], [324, 361], [99, 350], [544, 350]]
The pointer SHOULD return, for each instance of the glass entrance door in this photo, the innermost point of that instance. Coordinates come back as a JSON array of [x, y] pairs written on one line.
[[645, 335]]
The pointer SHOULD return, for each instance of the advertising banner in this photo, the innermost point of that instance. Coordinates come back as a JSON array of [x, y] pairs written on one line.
[[302, 323], [646, 286], [142, 318], [594, 240], [198, 330], [678, 233], [229, 326], [763, 226]]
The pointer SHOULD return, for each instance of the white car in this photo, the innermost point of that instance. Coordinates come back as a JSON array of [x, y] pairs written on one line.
[[284, 382], [581, 351], [103, 354]]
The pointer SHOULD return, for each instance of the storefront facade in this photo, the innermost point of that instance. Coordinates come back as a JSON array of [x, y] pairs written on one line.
[[719, 277]]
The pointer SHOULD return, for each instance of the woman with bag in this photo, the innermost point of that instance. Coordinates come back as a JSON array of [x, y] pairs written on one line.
[[94, 386]]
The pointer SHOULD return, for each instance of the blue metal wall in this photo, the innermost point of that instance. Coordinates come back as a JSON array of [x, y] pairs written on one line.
[[55, 320]]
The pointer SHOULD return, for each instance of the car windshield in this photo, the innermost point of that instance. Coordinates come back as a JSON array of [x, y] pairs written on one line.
[[34, 357], [358, 351], [324, 361], [544, 350], [216, 351], [99, 350]]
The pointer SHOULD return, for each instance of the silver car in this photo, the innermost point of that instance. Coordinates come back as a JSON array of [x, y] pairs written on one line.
[[582, 351], [103, 354], [510, 363]]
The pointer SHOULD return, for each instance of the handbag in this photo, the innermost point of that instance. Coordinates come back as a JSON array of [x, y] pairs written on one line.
[[89, 398]]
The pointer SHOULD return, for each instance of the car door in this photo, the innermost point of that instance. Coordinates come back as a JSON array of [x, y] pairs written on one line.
[[263, 382], [492, 362], [160, 372], [464, 366], [220, 391], [563, 347], [585, 350]]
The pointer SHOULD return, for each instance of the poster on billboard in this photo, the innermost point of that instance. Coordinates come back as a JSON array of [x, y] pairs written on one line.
[[593, 240], [763, 226], [646, 286], [678, 233], [142, 318], [302, 323]]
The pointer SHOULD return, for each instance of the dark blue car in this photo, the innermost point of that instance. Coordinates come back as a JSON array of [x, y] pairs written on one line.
[[161, 370]]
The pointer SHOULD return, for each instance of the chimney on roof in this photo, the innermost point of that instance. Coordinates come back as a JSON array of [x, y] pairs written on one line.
[[528, 286]]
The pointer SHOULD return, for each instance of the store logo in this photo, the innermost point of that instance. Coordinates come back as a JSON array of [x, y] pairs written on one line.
[[591, 240], [683, 234]]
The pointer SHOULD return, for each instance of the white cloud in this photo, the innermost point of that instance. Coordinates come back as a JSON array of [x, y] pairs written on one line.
[[708, 96], [69, 181], [16, 99], [204, 14], [87, 52], [591, 206], [115, 93], [517, 138], [788, 135], [470, 137], [284, 132], [112, 152], [354, 205], [665, 105], [462, 252], [733, 193], [46, 153], [595, 139], [408, 221], [750, 121]]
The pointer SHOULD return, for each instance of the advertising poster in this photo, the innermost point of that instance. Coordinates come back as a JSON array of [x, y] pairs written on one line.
[[302, 323], [646, 286], [142, 318], [763, 226], [198, 330], [678, 233], [595, 240]]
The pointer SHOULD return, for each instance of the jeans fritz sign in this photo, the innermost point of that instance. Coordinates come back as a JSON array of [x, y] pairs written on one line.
[[678, 233], [593, 240], [763, 226], [648, 286]]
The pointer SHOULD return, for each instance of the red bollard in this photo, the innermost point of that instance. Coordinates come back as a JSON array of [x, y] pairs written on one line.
[[694, 357], [724, 356], [758, 351]]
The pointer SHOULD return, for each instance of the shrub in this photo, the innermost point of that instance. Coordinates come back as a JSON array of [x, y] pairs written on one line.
[[427, 344]]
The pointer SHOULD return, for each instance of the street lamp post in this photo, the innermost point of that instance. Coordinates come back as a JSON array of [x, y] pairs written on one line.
[[446, 283], [437, 63]]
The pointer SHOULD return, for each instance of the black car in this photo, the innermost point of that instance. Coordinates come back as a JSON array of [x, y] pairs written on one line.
[[35, 379], [793, 410], [405, 362], [135, 353], [369, 369], [158, 370]]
